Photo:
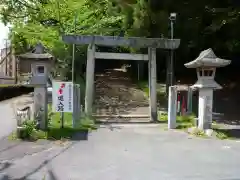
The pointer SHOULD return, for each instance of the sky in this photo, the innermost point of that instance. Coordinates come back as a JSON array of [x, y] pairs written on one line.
[[3, 35]]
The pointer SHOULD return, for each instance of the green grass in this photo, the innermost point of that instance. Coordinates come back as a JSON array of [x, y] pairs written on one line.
[[55, 130], [197, 132], [183, 122], [221, 133], [161, 93], [144, 86]]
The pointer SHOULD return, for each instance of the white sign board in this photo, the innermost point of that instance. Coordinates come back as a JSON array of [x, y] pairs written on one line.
[[62, 97]]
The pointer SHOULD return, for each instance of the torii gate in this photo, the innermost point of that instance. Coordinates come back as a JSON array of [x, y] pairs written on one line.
[[137, 42]]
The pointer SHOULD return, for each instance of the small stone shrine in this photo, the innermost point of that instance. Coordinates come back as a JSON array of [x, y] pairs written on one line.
[[206, 65]]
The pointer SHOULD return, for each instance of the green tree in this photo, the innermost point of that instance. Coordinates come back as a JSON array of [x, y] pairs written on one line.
[[199, 24], [47, 21]]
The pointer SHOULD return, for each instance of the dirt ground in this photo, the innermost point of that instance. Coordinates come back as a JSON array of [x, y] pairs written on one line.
[[116, 94]]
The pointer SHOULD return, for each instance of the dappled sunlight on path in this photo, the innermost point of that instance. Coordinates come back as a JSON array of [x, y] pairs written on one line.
[[116, 94]]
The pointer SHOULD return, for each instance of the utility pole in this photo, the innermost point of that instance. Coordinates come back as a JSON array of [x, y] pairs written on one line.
[[170, 62], [73, 51], [75, 108]]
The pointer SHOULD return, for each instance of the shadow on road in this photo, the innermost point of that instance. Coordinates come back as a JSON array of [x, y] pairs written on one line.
[[9, 147], [45, 163], [24, 148], [229, 132], [4, 166], [51, 176], [67, 133]]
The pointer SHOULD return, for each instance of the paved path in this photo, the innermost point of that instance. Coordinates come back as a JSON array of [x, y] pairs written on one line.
[[8, 121], [126, 153]]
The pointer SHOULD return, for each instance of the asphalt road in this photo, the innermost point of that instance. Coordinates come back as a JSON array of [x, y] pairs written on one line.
[[7, 121], [124, 153]]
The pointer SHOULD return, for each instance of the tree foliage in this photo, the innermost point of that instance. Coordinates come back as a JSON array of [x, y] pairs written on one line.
[[199, 24]]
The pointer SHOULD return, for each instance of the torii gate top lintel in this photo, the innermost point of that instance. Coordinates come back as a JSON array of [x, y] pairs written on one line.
[[136, 42], [140, 42]]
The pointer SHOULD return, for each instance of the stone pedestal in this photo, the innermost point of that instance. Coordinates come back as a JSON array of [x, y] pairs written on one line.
[[205, 108], [172, 107], [76, 105], [41, 106]]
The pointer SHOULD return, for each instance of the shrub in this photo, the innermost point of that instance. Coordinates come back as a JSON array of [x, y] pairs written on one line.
[[28, 130]]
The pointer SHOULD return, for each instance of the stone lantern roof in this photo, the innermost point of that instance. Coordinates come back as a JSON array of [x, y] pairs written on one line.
[[206, 64], [39, 52], [206, 83], [207, 58]]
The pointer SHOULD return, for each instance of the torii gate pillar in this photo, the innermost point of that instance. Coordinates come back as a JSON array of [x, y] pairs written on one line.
[[137, 42], [152, 83], [90, 79]]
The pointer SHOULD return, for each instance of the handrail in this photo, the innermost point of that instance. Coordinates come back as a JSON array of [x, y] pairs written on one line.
[[4, 61], [4, 58]]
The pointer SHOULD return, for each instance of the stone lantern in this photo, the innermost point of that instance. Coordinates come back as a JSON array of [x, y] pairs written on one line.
[[206, 65], [38, 63]]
